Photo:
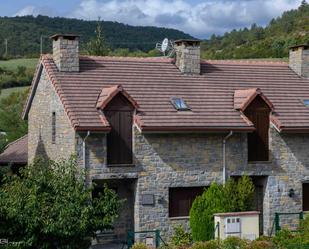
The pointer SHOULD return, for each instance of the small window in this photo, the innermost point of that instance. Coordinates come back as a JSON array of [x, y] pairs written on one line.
[[306, 102], [181, 199], [53, 127], [180, 104], [306, 197]]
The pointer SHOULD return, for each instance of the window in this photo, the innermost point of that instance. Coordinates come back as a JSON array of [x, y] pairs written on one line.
[[119, 114], [306, 102], [179, 104], [53, 127], [305, 196], [258, 141], [181, 199]]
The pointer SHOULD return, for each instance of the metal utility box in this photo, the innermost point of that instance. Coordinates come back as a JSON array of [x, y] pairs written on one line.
[[240, 224]]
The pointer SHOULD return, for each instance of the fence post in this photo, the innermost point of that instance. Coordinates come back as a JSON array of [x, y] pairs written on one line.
[[277, 222], [301, 215], [130, 239], [157, 232]]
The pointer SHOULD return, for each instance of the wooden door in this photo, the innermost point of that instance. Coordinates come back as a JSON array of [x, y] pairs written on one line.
[[119, 140], [258, 141]]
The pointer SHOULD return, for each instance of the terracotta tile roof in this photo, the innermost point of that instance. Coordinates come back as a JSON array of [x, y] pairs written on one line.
[[243, 98], [151, 82], [15, 152]]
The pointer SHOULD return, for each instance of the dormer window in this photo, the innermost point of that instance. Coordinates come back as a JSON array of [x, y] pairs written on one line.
[[180, 104], [257, 108], [118, 108]]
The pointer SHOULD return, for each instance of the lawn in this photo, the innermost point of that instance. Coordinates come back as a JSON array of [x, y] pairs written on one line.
[[14, 63], [8, 91]]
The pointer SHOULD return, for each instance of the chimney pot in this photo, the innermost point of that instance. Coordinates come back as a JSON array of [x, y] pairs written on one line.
[[299, 60], [188, 56], [66, 52]]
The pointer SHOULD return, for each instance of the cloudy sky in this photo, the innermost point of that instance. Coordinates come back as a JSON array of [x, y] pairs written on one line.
[[196, 17]]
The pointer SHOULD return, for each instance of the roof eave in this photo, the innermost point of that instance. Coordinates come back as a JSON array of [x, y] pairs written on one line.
[[169, 129]]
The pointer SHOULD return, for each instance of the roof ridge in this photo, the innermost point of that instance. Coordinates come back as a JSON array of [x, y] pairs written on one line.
[[246, 61], [124, 58]]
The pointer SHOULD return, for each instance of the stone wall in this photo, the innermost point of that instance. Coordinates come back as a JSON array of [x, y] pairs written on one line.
[[290, 161], [178, 160], [186, 160], [45, 102]]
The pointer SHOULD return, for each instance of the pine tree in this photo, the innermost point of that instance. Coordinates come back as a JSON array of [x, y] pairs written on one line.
[[303, 5], [97, 45]]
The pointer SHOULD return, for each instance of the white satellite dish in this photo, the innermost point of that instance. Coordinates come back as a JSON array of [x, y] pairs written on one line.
[[164, 45]]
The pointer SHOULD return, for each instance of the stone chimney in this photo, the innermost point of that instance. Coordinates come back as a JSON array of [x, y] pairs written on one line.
[[188, 54], [66, 52], [299, 60]]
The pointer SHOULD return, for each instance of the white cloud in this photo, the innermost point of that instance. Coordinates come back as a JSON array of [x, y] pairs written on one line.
[[31, 10], [201, 19]]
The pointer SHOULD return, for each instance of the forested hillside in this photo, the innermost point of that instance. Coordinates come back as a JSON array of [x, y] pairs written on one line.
[[272, 41], [24, 34]]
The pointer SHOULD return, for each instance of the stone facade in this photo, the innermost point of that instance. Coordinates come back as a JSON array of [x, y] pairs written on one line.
[[66, 53], [45, 102], [299, 60], [188, 57], [162, 161]]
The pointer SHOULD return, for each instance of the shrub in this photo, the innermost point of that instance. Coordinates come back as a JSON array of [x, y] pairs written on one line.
[[261, 244], [212, 244], [234, 196], [181, 237], [235, 243], [139, 246], [49, 207], [203, 208]]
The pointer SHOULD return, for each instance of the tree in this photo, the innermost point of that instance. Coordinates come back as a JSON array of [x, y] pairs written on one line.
[[11, 122], [50, 207], [303, 5], [97, 45], [234, 196]]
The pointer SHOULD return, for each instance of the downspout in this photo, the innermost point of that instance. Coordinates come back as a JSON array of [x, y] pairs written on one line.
[[84, 149], [223, 155]]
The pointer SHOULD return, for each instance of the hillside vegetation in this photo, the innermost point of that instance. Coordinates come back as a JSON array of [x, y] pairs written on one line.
[[24, 34], [272, 41]]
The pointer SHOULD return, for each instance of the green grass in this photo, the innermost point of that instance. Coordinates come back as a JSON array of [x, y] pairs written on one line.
[[8, 91], [14, 63]]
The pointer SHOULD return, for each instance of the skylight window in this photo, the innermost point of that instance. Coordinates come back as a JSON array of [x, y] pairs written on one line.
[[180, 104], [306, 102]]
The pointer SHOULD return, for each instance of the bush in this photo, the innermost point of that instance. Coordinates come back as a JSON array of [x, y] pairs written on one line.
[[139, 246], [235, 243], [203, 208], [49, 207], [181, 237], [212, 244], [234, 196], [261, 244]]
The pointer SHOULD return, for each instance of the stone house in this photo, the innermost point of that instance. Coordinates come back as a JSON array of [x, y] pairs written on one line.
[[160, 130]]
